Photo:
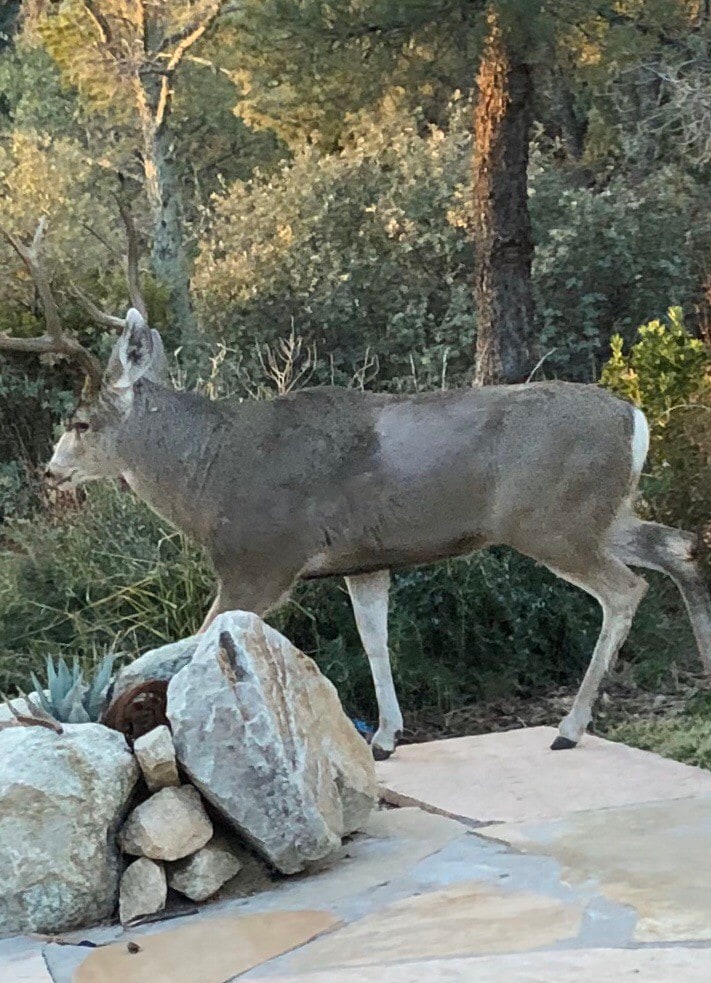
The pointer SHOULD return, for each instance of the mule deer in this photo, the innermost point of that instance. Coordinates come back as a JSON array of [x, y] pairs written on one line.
[[333, 482]]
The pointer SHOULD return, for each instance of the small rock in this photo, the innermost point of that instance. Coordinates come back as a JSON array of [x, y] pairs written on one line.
[[200, 876], [169, 826], [143, 890], [156, 756]]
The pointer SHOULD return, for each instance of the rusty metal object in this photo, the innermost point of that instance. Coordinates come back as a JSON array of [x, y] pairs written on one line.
[[138, 710]]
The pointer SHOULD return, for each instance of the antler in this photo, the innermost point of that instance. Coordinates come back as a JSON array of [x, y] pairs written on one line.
[[132, 276], [54, 341]]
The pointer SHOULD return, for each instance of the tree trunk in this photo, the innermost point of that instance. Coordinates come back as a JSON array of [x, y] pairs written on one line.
[[170, 261], [502, 227]]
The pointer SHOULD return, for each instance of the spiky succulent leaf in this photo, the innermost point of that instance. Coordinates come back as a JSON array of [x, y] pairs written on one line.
[[71, 708], [66, 680], [56, 691], [94, 697], [40, 695]]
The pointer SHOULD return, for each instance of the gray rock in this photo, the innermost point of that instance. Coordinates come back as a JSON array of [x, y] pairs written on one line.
[[143, 889], [169, 826], [62, 797], [160, 663], [156, 756], [200, 876], [262, 734]]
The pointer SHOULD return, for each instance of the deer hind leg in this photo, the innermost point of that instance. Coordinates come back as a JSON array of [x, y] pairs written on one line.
[[369, 597], [618, 592], [673, 552]]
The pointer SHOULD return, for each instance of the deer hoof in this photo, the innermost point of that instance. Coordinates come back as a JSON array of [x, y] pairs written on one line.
[[563, 743], [380, 753]]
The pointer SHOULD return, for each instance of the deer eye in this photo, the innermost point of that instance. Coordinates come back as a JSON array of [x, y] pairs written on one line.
[[80, 426]]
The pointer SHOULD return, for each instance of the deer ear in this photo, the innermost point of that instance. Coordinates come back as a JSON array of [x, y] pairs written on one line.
[[132, 356], [158, 371]]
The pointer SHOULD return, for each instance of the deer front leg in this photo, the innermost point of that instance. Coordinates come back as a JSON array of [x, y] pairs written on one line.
[[215, 609], [258, 596], [369, 596]]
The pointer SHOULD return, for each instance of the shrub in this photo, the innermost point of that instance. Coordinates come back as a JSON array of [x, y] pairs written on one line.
[[667, 373]]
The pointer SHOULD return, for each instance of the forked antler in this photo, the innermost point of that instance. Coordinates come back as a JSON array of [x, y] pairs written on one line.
[[54, 341], [132, 276]]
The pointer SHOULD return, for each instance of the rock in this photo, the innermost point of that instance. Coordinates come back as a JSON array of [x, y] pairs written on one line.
[[62, 798], [263, 735], [143, 889], [169, 826], [157, 664], [200, 876], [156, 756]]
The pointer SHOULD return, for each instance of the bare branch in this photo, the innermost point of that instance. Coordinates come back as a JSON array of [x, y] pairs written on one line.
[[33, 719], [54, 341], [181, 42], [30, 256]]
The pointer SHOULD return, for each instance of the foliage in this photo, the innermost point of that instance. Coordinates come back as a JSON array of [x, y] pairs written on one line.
[[600, 269], [665, 370], [322, 163], [668, 374], [686, 738], [69, 698], [357, 250], [107, 576]]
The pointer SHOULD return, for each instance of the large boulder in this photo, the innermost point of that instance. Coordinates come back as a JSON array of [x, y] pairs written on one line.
[[156, 665], [62, 797], [262, 734]]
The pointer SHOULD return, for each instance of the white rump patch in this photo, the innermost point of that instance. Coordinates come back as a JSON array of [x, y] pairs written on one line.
[[640, 442]]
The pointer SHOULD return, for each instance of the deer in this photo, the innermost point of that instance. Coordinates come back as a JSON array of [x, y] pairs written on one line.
[[336, 482]]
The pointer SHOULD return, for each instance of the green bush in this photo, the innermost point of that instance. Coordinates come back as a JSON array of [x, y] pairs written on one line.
[[601, 268], [667, 373]]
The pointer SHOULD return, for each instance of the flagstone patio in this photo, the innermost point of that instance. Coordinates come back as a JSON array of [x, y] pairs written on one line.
[[492, 858]]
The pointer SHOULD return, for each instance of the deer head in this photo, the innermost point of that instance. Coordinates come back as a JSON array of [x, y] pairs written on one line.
[[87, 449]]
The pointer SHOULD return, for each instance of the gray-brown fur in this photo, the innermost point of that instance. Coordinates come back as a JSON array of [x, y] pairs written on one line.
[[338, 482]]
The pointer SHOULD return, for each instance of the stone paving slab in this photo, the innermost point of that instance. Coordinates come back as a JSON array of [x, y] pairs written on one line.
[[22, 961], [466, 918], [515, 777], [207, 951], [570, 966], [654, 857]]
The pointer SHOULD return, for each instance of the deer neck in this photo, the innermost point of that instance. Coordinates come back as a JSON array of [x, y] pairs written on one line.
[[166, 448]]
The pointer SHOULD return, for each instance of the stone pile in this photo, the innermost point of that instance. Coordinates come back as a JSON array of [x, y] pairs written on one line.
[[172, 835], [253, 769]]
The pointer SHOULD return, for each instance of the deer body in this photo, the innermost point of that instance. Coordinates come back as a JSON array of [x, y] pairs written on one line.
[[337, 482]]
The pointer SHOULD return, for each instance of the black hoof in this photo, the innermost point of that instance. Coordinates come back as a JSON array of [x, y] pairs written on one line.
[[380, 754], [563, 744]]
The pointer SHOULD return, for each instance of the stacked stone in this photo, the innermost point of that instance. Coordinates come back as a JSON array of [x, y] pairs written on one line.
[[172, 836]]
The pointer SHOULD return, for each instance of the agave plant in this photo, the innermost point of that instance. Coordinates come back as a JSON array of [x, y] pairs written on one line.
[[67, 696]]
